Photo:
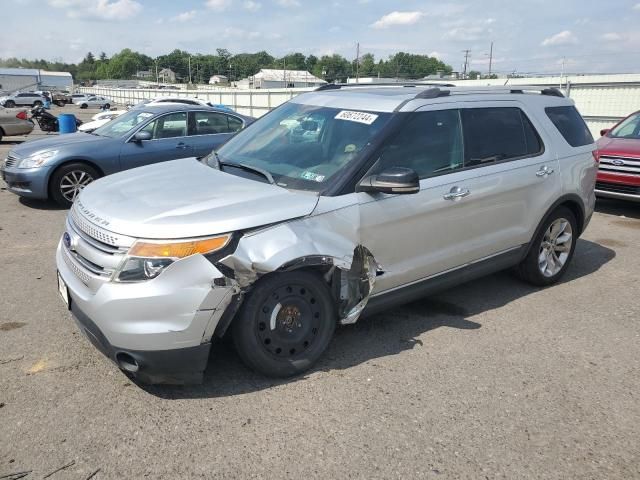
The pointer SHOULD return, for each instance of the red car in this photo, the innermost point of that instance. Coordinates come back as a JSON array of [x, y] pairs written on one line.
[[619, 154]]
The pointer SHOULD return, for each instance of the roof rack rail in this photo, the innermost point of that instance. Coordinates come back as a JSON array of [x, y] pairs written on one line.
[[338, 86], [550, 91]]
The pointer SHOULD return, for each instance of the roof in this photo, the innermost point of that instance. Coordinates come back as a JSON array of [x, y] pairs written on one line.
[[54, 74], [26, 72], [272, 75], [405, 98]]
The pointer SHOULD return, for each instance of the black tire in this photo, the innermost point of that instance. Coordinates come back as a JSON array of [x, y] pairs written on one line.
[[64, 174], [531, 268], [10, 104], [107, 106], [37, 103], [84, 105], [285, 323], [60, 103]]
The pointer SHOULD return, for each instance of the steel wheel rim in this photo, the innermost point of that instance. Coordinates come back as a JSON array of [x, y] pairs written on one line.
[[555, 247], [73, 183], [289, 321]]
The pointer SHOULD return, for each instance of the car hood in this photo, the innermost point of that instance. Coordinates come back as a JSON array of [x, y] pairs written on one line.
[[619, 146], [185, 198], [54, 142]]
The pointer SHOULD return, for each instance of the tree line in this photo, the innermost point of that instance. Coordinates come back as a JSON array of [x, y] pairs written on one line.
[[126, 64]]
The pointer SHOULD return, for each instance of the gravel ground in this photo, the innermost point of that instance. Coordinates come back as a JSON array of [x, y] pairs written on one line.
[[492, 379]]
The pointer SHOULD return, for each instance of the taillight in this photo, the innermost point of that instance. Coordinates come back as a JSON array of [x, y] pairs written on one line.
[[596, 156], [22, 115]]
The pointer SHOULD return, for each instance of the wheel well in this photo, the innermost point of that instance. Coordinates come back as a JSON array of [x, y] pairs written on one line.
[[74, 160], [576, 210]]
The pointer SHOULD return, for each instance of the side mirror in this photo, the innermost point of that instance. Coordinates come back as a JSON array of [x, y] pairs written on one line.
[[394, 180], [141, 136], [604, 131]]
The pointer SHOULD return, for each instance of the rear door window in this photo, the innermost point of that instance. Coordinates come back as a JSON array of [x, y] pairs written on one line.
[[209, 123], [498, 133], [570, 124]]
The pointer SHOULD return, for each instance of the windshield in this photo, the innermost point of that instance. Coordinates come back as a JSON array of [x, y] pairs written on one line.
[[303, 147], [629, 128], [119, 126]]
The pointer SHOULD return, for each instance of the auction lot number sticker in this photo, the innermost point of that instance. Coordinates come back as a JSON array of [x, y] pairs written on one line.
[[360, 117]]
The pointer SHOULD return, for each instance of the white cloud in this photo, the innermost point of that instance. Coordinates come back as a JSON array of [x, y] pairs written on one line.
[[252, 6], [566, 37], [636, 6], [437, 55], [289, 3], [611, 37], [397, 18], [100, 9], [185, 16], [217, 4]]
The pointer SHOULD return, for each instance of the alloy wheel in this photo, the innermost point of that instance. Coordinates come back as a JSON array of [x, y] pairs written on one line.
[[73, 183], [555, 247]]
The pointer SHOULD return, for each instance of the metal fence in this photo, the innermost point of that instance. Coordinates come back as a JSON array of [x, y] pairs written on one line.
[[602, 104]]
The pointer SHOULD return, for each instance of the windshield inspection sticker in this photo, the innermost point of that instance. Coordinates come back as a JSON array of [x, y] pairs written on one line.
[[314, 177], [360, 117]]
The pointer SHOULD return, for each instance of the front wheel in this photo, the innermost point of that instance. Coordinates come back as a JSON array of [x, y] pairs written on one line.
[[285, 323], [37, 104], [551, 250], [84, 105], [68, 181], [106, 106]]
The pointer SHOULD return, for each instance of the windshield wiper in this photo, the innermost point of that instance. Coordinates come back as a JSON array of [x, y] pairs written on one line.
[[242, 166]]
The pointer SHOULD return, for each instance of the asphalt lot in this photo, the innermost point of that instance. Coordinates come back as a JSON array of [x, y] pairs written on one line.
[[493, 379]]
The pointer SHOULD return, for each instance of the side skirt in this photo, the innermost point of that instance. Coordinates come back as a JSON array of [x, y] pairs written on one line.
[[442, 281]]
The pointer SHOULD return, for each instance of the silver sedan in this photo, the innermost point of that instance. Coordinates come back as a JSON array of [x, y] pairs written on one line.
[[14, 121]]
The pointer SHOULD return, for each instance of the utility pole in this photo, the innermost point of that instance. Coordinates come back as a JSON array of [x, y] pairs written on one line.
[[189, 68], [284, 72], [357, 62], [466, 63], [157, 78], [490, 58], [562, 71]]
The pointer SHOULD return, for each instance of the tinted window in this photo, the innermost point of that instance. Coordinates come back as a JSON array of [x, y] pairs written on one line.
[[235, 124], [429, 143], [494, 134], [570, 124], [168, 126], [209, 123]]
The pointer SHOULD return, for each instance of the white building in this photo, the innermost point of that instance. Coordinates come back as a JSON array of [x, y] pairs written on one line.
[[166, 75], [269, 78], [12, 79], [218, 80]]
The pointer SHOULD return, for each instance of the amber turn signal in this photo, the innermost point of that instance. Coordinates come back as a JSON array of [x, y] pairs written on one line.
[[178, 249]]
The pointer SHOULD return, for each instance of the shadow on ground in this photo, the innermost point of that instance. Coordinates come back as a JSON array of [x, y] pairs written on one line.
[[40, 204], [385, 334], [620, 208]]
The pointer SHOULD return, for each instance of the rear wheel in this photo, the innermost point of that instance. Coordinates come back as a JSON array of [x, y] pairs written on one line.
[[10, 104], [107, 106], [69, 180], [84, 105], [285, 323], [551, 250]]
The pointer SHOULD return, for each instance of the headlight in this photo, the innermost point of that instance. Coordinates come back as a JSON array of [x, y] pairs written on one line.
[[37, 159], [148, 259]]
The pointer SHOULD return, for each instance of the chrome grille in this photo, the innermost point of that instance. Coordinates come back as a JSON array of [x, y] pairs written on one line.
[[11, 161], [84, 278], [620, 164], [93, 231]]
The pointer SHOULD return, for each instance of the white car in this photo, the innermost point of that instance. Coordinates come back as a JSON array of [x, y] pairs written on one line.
[[93, 101], [100, 119], [181, 100]]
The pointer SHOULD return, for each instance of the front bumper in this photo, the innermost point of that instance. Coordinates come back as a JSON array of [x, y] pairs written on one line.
[[27, 182], [164, 324]]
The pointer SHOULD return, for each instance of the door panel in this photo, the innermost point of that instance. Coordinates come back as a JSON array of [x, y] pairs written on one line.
[[420, 235], [169, 142]]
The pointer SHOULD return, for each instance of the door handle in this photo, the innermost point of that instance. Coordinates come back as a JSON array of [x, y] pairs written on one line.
[[181, 145], [544, 171], [456, 193]]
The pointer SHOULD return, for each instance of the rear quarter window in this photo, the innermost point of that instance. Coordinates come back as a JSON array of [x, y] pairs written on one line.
[[570, 125]]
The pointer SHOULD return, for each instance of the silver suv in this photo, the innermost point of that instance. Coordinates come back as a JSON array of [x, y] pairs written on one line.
[[342, 201]]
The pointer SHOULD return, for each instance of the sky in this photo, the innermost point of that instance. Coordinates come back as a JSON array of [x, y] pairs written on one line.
[[530, 36]]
